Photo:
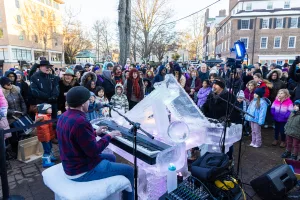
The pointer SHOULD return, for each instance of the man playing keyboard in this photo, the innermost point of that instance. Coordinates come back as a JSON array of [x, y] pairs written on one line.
[[80, 153]]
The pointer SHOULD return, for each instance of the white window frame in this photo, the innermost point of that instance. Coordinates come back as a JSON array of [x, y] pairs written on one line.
[[279, 43], [246, 46], [294, 42], [281, 23], [296, 22], [270, 3], [225, 45], [247, 4], [266, 43], [242, 24], [229, 44], [268, 23], [287, 2]]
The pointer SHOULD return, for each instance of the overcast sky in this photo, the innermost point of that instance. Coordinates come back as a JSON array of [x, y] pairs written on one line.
[[92, 10]]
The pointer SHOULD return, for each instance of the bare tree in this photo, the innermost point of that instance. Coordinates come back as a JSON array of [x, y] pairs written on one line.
[[150, 15], [124, 24], [196, 45]]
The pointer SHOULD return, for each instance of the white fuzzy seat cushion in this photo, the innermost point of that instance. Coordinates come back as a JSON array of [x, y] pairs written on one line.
[[54, 178]]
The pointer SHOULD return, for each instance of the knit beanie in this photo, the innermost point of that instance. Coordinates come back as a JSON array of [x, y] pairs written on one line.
[[297, 102], [220, 82], [77, 96], [260, 91], [4, 81], [42, 108], [109, 65], [241, 95]]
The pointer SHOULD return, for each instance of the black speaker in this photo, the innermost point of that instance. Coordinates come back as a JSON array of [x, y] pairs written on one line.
[[275, 183]]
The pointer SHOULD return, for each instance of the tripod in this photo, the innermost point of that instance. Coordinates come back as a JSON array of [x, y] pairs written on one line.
[[133, 131]]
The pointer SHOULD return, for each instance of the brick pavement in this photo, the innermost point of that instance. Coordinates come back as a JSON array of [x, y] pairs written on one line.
[[26, 179]]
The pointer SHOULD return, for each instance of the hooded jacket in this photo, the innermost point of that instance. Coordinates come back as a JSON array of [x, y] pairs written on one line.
[[149, 87], [7, 73], [281, 110], [45, 132], [202, 95], [159, 77], [292, 127], [277, 84], [108, 84], [15, 102], [120, 102], [84, 79]]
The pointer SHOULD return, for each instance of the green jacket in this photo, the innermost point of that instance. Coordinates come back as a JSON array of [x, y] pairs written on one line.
[[292, 127]]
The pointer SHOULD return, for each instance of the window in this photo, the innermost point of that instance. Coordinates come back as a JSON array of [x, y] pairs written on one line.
[[294, 22], [245, 24], [21, 54], [19, 19], [279, 62], [1, 33], [270, 6], [287, 4], [21, 36], [245, 40], [279, 23], [292, 42], [265, 23], [17, 3], [277, 42], [264, 43], [248, 6], [42, 13]]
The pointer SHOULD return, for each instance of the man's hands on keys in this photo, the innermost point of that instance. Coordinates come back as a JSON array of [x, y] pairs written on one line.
[[114, 134], [101, 130]]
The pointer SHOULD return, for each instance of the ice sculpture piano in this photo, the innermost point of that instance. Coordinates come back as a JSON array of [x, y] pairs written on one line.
[[166, 105]]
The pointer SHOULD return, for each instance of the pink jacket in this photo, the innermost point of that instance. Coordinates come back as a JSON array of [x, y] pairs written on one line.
[[281, 110], [3, 102]]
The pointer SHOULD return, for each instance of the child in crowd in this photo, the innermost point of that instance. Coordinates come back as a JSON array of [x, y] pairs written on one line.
[[241, 103], [281, 110], [101, 98], [119, 100], [203, 93], [45, 133], [292, 131], [258, 109], [148, 86], [93, 108], [249, 91], [3, 113]]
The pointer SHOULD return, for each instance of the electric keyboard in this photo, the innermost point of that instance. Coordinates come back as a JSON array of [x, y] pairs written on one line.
[[147, 149]]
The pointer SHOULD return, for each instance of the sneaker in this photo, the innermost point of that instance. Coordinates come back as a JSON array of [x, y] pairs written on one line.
[[256, 146], [47, 161], [266, 126], [252, 144], [282, 145], [293, 157], [286, 154], [274, 143]]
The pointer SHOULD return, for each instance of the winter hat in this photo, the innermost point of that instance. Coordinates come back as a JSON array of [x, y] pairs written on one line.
[[220, 82], [78, 68], [109, 65], [92, 94], [19, 72], [297, 102], [42, 108], [241, 95], [4, 81], [77, 96], [260, 91], [12, 69], [69, 72]]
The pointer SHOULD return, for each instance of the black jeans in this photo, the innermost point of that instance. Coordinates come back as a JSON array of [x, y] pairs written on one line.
[[279, 128]]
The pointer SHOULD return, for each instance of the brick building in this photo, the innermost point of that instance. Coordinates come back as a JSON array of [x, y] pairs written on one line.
[[20, 41], [270, 30]]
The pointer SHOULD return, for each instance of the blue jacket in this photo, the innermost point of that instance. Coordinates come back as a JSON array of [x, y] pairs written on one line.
[[93, 111], [259, 114]]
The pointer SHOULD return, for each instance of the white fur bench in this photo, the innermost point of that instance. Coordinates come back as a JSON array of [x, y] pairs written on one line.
[[65, 189]]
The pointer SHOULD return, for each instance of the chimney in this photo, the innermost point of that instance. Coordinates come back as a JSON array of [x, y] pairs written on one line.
[[222, 13], [207, 14]]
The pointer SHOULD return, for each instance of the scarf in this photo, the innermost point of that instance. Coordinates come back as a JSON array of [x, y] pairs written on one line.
[[136, 88], [193, 82]]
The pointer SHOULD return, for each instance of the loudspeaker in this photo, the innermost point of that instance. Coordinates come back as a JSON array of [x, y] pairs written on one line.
[[275, 183]]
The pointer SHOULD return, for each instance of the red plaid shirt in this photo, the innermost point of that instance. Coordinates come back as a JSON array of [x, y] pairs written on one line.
[[79, 150]]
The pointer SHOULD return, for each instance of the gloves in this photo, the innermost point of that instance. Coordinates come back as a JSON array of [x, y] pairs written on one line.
[[52, 100]]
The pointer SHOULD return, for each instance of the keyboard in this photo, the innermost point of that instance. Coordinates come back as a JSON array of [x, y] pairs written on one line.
[[147, 148]]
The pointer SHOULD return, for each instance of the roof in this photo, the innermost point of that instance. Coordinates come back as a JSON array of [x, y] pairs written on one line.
[[270, 13], [85, 54]]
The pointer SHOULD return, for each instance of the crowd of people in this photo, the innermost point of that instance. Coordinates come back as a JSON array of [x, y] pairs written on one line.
[[268, 93]]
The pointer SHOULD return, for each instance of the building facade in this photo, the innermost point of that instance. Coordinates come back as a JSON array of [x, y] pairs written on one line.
[[30, 29], [270, 30]]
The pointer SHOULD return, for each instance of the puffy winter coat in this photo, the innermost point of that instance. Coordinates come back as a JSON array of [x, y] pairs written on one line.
[[258, 113], [120, 102], [64, 87], [44, 86], [108, 84], [267, 85], [277, 84], [202, 95], [3, 101], [292, 127], [281, 110], [45, 132], [84, 78], [15, 102]]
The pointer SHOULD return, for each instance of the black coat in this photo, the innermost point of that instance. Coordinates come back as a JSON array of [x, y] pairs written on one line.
[[215, 108], [44, 87], [24, 90], [295, 75], [63, 88]]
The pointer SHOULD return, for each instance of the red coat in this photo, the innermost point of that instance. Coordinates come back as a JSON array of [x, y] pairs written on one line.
[[267, 91], [45, 132]]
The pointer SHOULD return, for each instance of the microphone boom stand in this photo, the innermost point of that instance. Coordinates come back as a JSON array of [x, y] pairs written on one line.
[[133, 130]]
